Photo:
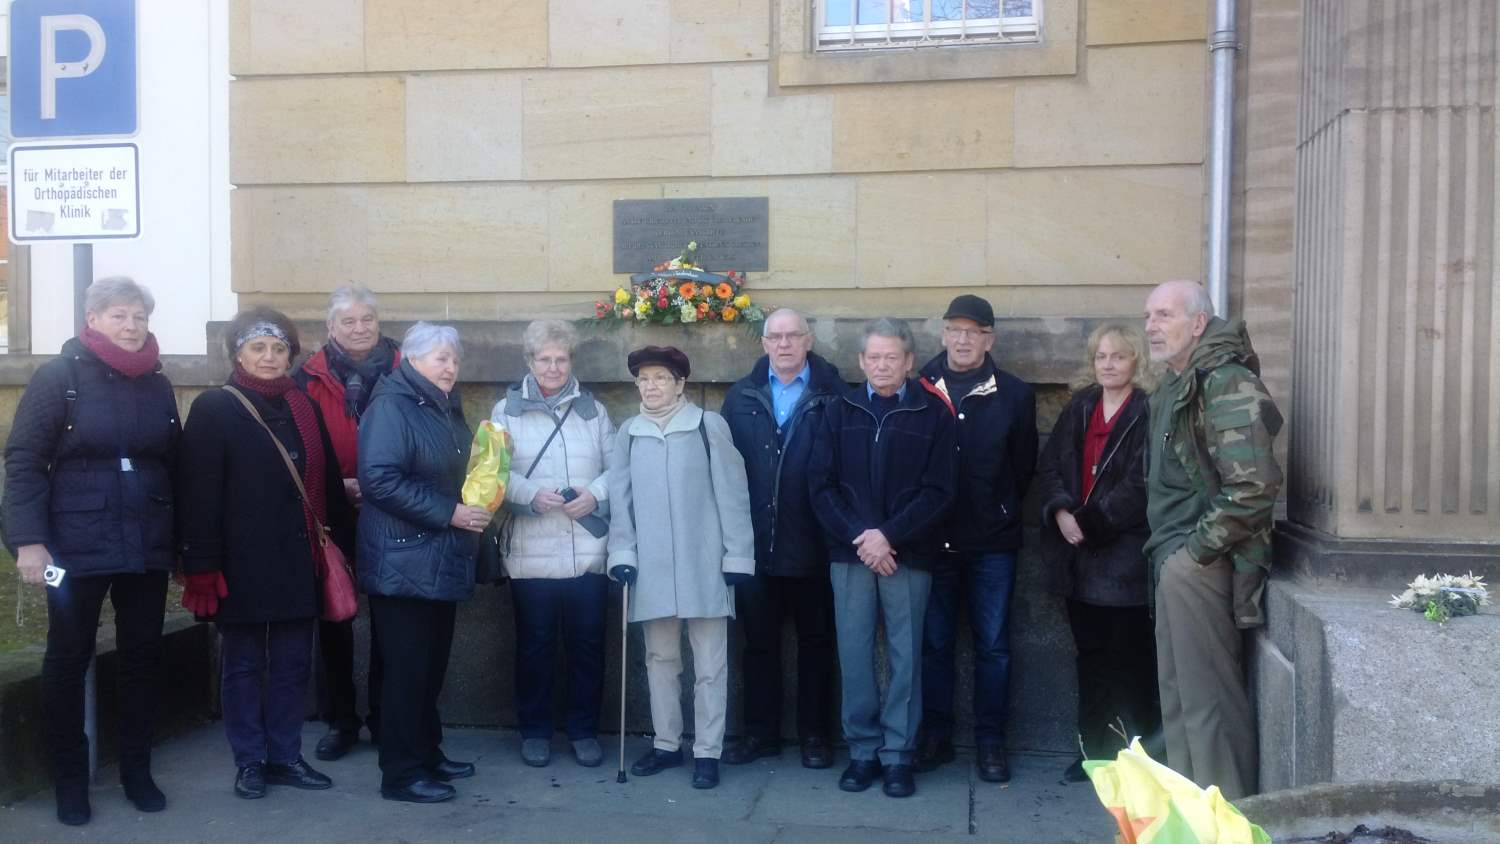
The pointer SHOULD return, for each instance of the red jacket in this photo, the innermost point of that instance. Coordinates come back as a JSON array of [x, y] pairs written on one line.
[[325, 388]]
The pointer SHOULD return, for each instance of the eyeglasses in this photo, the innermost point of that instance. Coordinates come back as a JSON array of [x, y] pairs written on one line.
[[966, 333], [551, 363], [784, 336], [658, 380]]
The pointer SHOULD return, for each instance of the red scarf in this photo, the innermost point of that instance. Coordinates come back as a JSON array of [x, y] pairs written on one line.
[[128, 364], [306, 420]]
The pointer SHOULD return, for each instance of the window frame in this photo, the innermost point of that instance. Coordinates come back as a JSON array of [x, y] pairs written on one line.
[[924, 33], [798, 63]]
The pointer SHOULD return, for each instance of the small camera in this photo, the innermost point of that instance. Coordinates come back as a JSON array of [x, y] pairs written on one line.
[[53, 576], [568, 494]]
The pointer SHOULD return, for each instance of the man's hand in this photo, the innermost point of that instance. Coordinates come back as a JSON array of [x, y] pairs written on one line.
[[31, 561], [875, 551], [545, 501], [885, 566], [580, 506], [1071, 532]]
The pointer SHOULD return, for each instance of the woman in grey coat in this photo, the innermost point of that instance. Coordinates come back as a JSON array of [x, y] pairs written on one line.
[[681, 533]]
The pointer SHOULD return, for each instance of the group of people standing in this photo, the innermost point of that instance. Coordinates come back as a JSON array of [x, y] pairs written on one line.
[[889, 506]]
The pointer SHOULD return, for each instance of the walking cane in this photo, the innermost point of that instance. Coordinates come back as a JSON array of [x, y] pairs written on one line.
[[624, 640]]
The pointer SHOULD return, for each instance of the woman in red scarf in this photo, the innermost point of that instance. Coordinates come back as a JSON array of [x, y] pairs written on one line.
[[88, 510], [251, 550], [1092, 485]]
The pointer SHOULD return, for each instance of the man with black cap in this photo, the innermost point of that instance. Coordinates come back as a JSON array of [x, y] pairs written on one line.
[[996, 445]]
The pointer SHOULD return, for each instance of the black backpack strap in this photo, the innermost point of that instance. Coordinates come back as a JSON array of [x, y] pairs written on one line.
[[70, 395], [703, 432]]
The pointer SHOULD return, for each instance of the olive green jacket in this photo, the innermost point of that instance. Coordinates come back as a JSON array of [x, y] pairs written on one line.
[[1211, 471]]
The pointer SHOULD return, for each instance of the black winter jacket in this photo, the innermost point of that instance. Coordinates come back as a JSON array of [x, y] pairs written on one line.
[[996, 443], [64, 487], [413, 455], [788, 539], [894, 473], [241, 513], [1109, 569]]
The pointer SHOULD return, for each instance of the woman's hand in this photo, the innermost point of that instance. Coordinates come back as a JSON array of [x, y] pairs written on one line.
[[351, 490], [580, 506], [470, 518], [545, 501], [31, 561], [1071, 532]]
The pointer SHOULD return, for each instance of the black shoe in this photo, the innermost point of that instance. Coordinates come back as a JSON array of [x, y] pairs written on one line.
[[899, 781], [335, 743], [297, 774], [1075, 772], [447, 770], [655, 761], [933, 753], [859, 774], [750, 749], [419, 791], [250, 782], [992, 765], [73, 803], [816, 754], [141, 790], [705, 773]]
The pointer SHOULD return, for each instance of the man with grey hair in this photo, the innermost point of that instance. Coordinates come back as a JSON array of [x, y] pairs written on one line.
[[773, 415], [881, 476], [339, 378], [1211, 485]]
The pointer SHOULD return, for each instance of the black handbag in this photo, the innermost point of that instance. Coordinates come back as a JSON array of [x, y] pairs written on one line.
[[489, 563]]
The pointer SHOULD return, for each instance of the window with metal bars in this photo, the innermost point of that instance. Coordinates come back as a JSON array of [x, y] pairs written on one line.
[[871, 24]]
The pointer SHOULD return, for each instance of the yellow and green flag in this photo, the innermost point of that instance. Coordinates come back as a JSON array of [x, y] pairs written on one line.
[[1153, 804]]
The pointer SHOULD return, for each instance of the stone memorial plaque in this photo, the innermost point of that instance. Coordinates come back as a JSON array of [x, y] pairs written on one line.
[[733, 233]]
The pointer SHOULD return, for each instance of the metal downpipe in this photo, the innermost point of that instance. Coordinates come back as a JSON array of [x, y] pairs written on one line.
[[1222, 46]]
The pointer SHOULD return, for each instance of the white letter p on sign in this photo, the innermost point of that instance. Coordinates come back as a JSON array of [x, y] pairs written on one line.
[[52, 70]]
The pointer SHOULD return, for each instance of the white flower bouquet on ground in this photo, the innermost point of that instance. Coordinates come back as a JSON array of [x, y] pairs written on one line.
[[1443, 596]]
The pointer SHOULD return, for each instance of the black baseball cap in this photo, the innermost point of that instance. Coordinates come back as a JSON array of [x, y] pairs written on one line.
[[969, 306]]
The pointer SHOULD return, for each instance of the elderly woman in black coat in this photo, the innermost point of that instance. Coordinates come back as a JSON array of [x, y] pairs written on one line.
[[1093, 492], [88, 509], [251, 551], [417, 543]]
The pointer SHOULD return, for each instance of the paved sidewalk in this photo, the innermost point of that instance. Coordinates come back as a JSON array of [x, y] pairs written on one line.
[[771, 800]]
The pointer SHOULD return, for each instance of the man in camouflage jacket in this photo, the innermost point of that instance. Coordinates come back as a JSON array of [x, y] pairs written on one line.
[[1211, 480]]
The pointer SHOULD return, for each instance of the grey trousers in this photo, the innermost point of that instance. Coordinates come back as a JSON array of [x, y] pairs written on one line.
[[1207, 719], [873, 730]]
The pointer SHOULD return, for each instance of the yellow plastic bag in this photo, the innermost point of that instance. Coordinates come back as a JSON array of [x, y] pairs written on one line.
[[489, 467], [1153, 804]]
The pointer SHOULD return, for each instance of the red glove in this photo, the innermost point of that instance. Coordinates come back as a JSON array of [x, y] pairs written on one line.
[[202, 591]]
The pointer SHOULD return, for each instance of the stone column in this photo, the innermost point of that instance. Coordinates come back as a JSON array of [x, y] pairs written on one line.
[[1394, 462]]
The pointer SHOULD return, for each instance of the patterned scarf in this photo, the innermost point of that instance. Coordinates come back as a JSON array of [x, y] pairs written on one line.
[[127, 363], [306, 420], [359, 376]]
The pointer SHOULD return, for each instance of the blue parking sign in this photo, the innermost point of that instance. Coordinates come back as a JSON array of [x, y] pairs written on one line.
[[72, 68]]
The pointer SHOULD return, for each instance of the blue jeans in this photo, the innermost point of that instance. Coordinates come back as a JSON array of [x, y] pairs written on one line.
[[986, 580], [542, 605]]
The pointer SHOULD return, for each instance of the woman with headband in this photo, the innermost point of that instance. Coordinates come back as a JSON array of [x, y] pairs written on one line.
[[251, 546]]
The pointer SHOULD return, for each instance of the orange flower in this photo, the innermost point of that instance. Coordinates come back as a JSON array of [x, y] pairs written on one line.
[[729, 314], [702, 310], [724, 291], [687, 291]]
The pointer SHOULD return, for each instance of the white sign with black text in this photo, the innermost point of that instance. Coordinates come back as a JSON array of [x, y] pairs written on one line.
[[76, 192]]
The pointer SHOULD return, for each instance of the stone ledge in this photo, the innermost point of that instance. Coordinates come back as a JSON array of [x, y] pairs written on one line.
[[1312, 554]]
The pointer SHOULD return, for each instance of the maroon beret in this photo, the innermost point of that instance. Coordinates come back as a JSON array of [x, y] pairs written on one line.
[[669, 356]]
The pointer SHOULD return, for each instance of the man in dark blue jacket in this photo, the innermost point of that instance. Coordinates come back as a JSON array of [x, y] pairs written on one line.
[[996, 445], [774, 413], [881, 477]]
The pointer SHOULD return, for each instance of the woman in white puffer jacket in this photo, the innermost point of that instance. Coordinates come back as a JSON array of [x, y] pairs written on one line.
[[556, 540]]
